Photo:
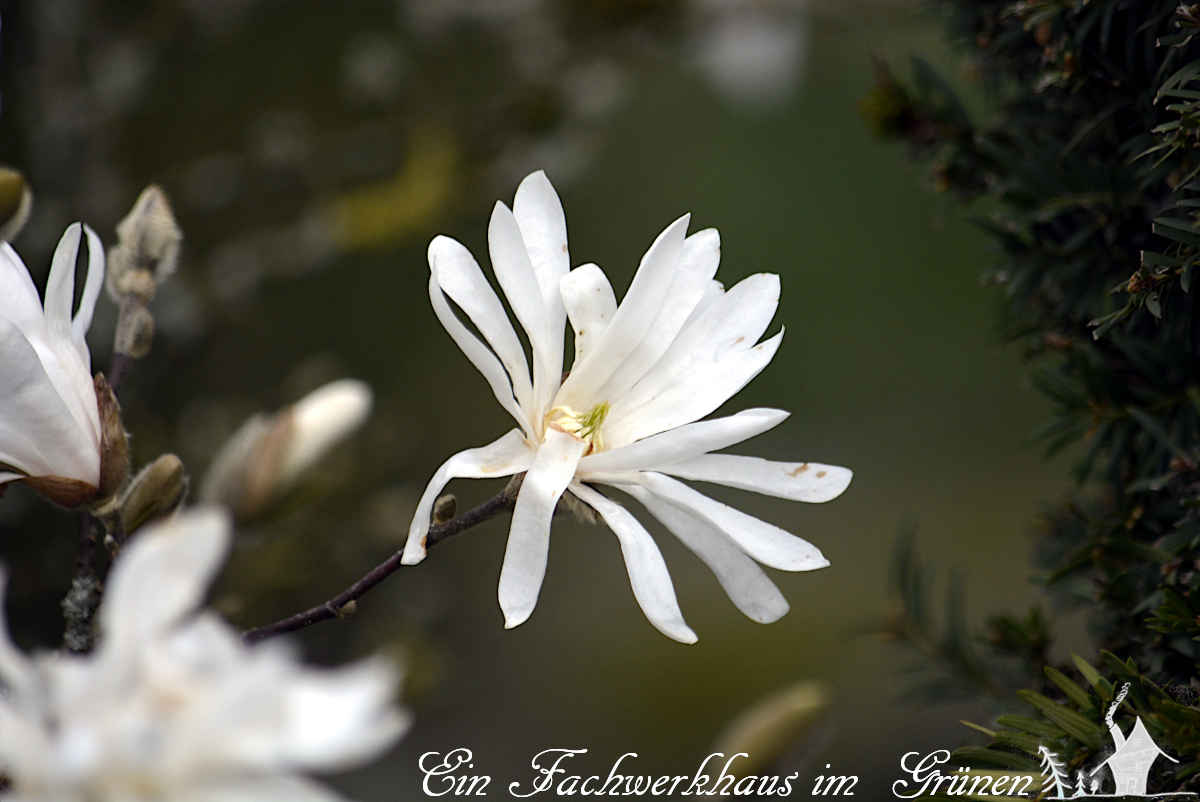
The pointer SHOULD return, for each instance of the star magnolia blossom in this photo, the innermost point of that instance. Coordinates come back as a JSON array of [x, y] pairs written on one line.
[[172, 705], [627, 415], [50, 432]]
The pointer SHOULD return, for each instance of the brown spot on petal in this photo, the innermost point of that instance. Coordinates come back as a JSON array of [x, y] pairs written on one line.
[[800, 470], [564, 247], [821, 474]]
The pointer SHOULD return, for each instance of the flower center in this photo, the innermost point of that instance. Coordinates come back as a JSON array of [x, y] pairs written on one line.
[[584, 425]]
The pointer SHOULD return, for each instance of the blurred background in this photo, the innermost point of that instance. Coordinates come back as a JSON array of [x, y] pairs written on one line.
[[311, 150]]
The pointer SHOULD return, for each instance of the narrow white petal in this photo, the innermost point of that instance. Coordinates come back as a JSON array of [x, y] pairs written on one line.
[[60, 286], [765, 542], [728, 322], [544, 324], [684, 442], [39, 432], [529, 537], [798, 481], [539, 214], [161, 576], [692, 395], [648, 574], [479, 354], [459, 276], [692, 277], [91, 291], [22, 306], [590, 304], [503, 457], [632, 320], [747, 585], [341, 718]]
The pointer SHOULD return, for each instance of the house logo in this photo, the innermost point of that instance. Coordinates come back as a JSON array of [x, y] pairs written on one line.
[[1129, 765]]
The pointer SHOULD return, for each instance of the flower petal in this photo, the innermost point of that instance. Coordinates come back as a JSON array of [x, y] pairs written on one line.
[[632, 320], [22, 306], [543, 322], [479, 354], [721, 334], [590, 305], [87, 302], [341, 718], [38, 431], [692, 276], [529, 537], [539, 214], [747, 585], [648, 573], [765, 542], [161, 576], [684, 442], [692, 395], [60, 285], [798, 481], [503, 457], [17, 673], [459, 276]]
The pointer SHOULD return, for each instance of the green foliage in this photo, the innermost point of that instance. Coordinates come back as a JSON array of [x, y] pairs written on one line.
[[1088, 180]]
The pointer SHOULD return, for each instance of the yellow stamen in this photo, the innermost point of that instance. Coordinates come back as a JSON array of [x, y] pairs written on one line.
[[585, 426]]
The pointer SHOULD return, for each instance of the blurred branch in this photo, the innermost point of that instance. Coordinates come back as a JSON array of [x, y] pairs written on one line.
[[344, 603], [83, 599]]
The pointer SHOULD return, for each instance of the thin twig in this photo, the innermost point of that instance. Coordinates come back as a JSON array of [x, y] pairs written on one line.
[[337, 606]]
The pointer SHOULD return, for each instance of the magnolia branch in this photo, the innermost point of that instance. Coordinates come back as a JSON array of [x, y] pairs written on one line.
[[344, 603]]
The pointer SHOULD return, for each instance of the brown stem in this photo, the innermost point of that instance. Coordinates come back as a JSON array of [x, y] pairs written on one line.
[[336, 607]]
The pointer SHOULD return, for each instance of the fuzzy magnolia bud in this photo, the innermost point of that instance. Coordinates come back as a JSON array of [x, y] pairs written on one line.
[[16, 202], [770, 727], [135, 330], [156, 491], [266, 456], [148, 239]]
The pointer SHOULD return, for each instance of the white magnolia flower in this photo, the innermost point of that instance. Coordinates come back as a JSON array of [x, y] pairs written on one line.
[[173, 705], [627, 416], [50, 433]]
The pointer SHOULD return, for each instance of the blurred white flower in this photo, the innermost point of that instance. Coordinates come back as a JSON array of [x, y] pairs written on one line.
[[50, 434], [752, 57], [172, 705], [628, 414], [265, 457]]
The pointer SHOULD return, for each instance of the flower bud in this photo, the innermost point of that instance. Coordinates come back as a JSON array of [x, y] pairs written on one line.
[[16, 201], [148, 239], [769, 728], [444, 508], [155, 492], [135, 330], [266, 456]]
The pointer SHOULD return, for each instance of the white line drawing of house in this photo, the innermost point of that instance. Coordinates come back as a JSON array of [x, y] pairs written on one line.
[[1130, 763]]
